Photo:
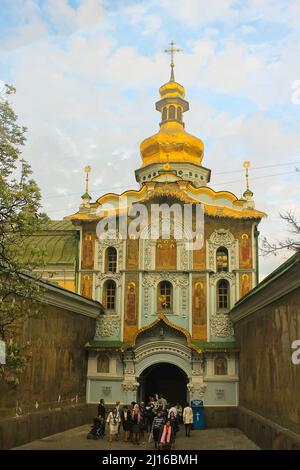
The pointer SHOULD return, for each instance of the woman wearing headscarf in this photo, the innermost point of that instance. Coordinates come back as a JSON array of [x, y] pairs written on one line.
[[136, 424], [113, 421]]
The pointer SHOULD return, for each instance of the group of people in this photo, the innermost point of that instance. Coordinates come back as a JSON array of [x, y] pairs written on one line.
[[154, 420]]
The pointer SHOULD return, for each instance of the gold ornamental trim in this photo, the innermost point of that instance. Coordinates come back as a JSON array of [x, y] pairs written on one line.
[[162, 317]]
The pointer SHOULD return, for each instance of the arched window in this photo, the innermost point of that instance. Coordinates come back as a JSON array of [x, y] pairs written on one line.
[[164, 114], [103, 363], [222, 259], [179, 114], [220, 366], [172, 112], [223, 294], [109, 295], [165, 296], [111, 260]]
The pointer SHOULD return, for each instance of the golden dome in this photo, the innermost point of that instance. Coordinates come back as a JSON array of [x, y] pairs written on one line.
[[172, 143]]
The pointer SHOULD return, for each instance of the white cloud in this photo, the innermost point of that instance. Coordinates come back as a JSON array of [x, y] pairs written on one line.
[[196, 12], [71, 94]]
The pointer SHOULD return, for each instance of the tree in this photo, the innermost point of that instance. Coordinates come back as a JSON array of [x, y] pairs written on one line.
[[290, 243], [20, 217]]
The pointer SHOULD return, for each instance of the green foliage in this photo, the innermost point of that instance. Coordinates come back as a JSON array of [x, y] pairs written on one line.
[[20, 217]]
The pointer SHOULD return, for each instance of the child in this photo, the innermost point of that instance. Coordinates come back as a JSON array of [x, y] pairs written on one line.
[[167, 438]]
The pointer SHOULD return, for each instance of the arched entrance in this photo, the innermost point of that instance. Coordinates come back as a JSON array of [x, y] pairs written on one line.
[[164, 379]]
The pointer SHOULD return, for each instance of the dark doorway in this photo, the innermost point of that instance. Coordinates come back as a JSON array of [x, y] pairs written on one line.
[[164, 379]]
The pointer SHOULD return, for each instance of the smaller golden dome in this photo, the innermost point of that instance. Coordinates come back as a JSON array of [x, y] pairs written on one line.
[[171, 90]]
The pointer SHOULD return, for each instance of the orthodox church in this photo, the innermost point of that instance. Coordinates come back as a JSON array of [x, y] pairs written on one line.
[[166, 325]]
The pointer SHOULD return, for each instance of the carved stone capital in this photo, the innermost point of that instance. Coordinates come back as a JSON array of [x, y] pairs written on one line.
[[130, 386], [221, 325], [107, 325], [197, 390]]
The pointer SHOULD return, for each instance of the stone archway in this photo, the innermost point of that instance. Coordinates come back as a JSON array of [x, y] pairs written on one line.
[[164, 379]]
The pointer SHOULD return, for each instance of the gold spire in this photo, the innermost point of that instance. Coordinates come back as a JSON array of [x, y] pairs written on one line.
[[171, 51], [248, 191], [86, 196], [87, 170]]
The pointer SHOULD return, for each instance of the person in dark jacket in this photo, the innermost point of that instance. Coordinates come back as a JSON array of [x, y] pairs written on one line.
[[175, 428], [126, 422], [101, 414]]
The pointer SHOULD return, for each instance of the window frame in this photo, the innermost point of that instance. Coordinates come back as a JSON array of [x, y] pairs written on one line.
[[108, 252], [109, 305], [221, 307], [225, 251], [167, 291]]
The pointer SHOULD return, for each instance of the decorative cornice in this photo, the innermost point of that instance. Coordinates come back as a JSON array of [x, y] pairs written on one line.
[[67, 301]]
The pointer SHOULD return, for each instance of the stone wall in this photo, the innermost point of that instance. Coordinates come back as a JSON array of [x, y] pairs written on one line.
[[58, 361], [37, 425], [269, 381], [267, 434], [52, 389]]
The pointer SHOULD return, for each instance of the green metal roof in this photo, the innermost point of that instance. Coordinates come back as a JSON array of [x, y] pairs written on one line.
[[216, 345], [58, 242], [100, 344], [203, 345], [282, 269]]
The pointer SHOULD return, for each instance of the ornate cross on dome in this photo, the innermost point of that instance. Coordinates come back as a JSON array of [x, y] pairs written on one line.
[[171, 51]]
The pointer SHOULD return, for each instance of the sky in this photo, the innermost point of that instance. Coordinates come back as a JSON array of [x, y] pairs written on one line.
[[87, 74]]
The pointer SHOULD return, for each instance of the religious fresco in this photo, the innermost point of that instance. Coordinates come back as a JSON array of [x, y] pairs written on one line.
[[131, 304], [103, 364], [166, 257], [245, 284], [87, 286], [245, 251], [88, 250], [199, 260], [199, 308], [220, 365], [132, 259]]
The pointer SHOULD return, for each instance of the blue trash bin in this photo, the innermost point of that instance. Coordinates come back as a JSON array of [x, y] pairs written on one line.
[[198, 414]]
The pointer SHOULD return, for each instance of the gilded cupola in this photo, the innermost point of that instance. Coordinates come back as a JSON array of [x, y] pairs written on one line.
[[172, 149]]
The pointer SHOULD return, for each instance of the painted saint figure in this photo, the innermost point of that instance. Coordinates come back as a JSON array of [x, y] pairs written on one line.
[[245, 287], [88, 251], [199, 304], [131, 304], [166, 254], [86, 286], [245, 260]]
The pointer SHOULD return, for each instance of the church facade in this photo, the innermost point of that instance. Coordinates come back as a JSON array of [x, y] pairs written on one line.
[[166, 325]]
